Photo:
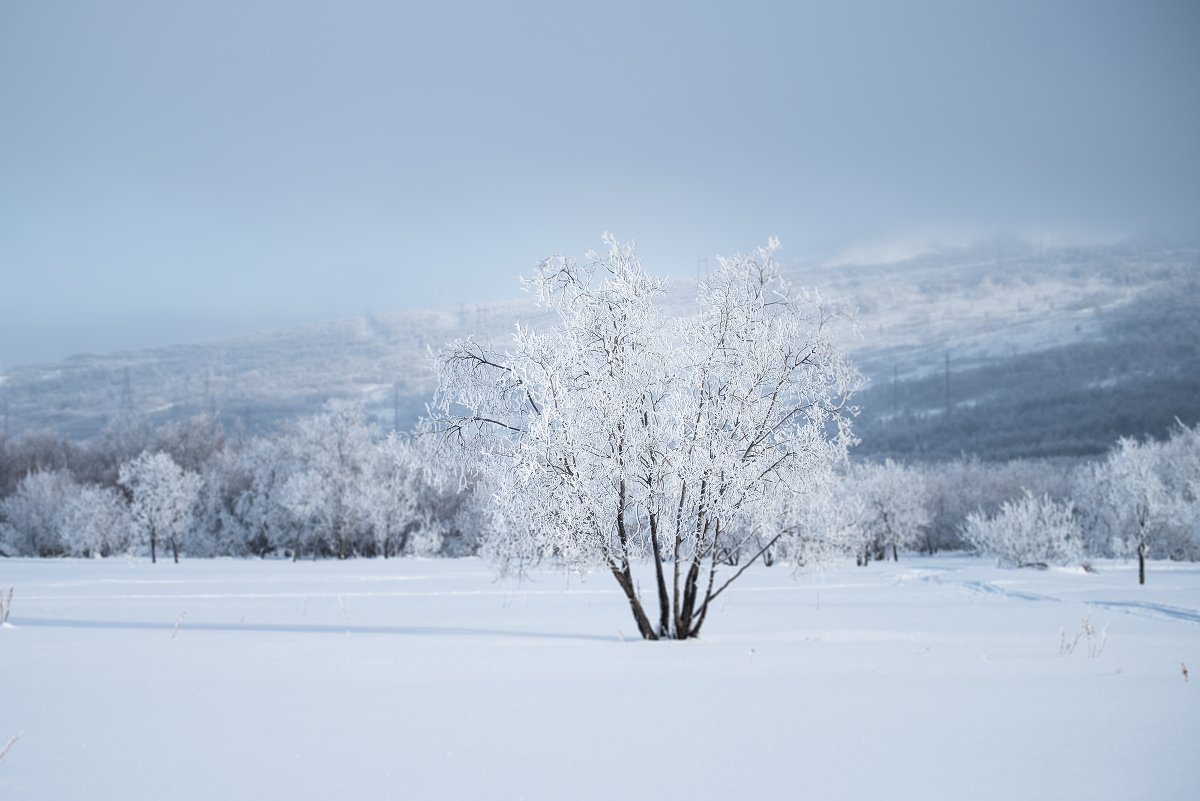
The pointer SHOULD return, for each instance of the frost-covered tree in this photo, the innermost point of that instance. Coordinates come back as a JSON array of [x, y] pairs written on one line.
[[305, 497], [895, 511], [1141, 500], [52, 515], [327, 486], [1178, 467], [959, 487], [40, 451], [628, 430], [164, 497], [192, 443], [31, 518], [1140, 497], [217, 529], [392, 502], [1027, 531], [821, 524], [334, 453], [261, 468], [95, 521]]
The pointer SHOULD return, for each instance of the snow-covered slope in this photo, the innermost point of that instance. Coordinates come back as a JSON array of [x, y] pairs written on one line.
[[984, 307]]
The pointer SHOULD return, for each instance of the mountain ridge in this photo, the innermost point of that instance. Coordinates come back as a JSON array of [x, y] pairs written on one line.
[[977, 308]]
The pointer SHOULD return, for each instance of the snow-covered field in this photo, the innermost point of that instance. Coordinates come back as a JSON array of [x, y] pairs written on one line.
[[937, 678]]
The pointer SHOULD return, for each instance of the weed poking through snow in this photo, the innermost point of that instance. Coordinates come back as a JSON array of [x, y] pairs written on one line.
[[1087, 633]]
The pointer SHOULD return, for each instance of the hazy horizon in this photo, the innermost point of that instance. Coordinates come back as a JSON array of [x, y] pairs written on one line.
[[172, 173]]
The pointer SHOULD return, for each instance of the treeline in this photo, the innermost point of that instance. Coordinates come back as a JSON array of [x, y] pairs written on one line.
[[324, 485], [1142, 500], [330, 486]]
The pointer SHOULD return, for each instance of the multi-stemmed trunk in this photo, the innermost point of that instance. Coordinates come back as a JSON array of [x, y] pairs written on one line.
[[683, 611]]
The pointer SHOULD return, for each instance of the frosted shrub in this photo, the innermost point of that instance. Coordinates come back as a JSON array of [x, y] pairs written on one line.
[[1027, 531]]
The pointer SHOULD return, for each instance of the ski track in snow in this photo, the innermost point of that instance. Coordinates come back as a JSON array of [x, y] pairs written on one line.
[[1147, 609], [1139, 608], [991, 589]]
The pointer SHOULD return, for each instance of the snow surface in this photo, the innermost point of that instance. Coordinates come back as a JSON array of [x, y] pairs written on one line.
[[931, 678]]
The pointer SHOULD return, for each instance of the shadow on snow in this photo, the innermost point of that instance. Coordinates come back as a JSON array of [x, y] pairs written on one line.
[[306, 628]]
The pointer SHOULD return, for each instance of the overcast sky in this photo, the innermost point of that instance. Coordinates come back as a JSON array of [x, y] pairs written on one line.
[[172, 171]]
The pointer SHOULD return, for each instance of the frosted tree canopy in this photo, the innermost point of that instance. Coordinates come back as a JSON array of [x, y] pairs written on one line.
[[630, 430]]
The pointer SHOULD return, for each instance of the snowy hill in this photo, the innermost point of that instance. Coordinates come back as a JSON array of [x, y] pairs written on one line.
[[1049, 352], [252, 381], [1029, 353]]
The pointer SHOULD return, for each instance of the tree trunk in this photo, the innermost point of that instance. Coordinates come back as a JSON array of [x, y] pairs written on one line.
[[625, 579], [1141, 563], [895, 554], [664, 600], [153, 548], [175, 549], [683, 615], [339, 537]]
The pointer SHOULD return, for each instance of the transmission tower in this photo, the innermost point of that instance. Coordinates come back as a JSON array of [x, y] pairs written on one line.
[[396, 406], [126, 394], [947, 385]]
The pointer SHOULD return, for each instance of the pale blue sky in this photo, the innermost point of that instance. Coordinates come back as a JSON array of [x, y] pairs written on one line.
[[171, 171]]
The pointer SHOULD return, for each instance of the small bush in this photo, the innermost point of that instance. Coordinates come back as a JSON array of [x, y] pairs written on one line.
[[1027, 531]]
